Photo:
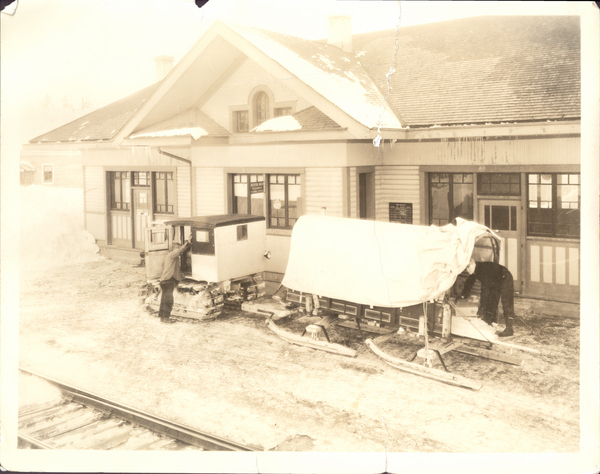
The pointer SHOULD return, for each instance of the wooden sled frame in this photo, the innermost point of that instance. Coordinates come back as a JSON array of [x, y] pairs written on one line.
[[436, 347]]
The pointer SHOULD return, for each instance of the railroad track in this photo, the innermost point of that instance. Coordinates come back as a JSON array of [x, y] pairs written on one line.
[[84, 420]]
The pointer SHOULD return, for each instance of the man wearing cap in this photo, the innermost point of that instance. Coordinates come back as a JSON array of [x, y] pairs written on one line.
[[169, 279]]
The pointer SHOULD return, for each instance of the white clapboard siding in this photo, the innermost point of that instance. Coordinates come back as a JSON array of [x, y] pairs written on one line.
[[324, 189], [396, 184], [210, 192], [95, 199], [184, 191], [353, 197]]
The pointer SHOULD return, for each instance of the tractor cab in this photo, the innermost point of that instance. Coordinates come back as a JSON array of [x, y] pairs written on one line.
[[224, 247]]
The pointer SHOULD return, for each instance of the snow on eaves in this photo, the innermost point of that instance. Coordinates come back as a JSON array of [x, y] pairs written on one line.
[[358, 97], [195, 132], [279, 124]]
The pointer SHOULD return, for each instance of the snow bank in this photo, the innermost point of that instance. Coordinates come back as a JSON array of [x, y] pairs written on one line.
[[52, 232]]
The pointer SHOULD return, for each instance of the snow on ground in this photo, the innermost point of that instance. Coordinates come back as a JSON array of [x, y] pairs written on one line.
[[34, 391], [52, 232]]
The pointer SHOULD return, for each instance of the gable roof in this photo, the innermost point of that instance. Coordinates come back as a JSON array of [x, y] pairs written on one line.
[[102, 124], [336, 75], [477, 70], [480, 70]]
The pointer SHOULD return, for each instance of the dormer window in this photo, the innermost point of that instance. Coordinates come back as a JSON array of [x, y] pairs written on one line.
[[261, 107], [240, 118]]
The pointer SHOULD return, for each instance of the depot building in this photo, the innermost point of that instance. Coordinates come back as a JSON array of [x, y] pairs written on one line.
[[476, 118]]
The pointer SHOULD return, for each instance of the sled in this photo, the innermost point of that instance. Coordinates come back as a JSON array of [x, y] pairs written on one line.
[[309, 341], [401, 279]]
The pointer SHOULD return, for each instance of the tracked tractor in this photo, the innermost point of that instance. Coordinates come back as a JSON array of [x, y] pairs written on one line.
[[225, 262]]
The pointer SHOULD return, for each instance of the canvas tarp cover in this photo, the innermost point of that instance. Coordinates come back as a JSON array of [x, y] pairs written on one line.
[[378, 263]]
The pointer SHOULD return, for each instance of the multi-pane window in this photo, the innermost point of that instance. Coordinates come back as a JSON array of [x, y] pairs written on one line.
[[48, 171], [284, 200], [554, 205], [164, 193], [141, 178], [450, 196], [249, 194], [240, 119], [119, 190], [281, 111], [261, 108], [499, 184]]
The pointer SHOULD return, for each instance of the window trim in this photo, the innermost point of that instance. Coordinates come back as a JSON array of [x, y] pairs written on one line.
[[480, 184], [154, 178], [233, 109], [249, 194], [474, 195], [554, 208], [252, 105], [44, 173], [299, 213], [111, 179]]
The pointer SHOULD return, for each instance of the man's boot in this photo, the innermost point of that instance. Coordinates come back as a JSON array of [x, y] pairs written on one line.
[[508, 331]]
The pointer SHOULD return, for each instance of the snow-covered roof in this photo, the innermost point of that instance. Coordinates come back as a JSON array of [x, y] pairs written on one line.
[[25, 166], [102, 124], [192, 123], [337, 76], [310, 119], [477, 70]]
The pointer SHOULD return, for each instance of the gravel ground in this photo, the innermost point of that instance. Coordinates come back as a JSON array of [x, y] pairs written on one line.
[[82, 324]]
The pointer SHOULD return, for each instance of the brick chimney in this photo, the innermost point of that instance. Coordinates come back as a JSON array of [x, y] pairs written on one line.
[[164, 64], [340, 32]]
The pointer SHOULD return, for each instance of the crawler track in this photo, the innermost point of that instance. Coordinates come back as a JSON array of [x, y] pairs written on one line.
[[83, 420]]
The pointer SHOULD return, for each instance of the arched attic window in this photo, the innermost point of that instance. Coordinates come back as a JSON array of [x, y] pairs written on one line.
[[261, 107]]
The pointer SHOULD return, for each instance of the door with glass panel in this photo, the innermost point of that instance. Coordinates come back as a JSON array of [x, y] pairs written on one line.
[[142, 201], [503, 217]]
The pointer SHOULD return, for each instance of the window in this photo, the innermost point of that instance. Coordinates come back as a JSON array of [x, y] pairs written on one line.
[[281, 111], [450, 196], [284, 200], [499, 184], [204, 242], [240, 121], [119, 190], [554, 205], [141, 178], [261, 108], [249, 194], [164, 193], [48, 174]]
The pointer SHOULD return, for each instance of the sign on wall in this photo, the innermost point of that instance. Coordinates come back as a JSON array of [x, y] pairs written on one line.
[[401, 212]]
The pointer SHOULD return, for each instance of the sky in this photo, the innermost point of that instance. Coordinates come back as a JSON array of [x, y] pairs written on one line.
[[98, 51]]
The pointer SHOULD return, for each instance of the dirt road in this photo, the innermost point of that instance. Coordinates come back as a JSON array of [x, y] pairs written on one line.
[[82, 324]]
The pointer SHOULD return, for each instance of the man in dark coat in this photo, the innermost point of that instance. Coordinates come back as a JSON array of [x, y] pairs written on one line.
[[169, 279], [496, 284]]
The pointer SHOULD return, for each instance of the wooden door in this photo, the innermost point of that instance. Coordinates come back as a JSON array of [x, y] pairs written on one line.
[[366, 196], [504, 218]]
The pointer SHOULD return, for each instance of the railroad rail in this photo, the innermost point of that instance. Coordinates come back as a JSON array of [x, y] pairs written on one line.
[[84, 420]]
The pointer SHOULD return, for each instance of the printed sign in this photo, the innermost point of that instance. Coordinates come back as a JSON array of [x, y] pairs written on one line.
[[257, 187], [277, 204], [401, 212]]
